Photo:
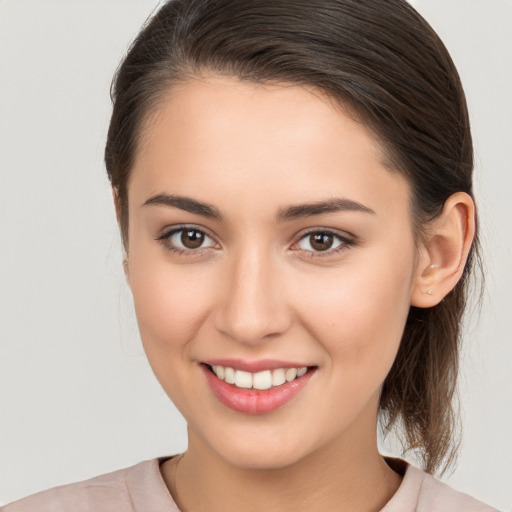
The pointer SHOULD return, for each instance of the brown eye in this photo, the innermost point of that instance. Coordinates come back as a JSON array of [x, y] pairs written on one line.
[[192, 238], [186, 240], [321, 241]]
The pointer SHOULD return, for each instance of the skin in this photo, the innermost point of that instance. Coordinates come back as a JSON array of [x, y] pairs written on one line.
[[256, 289]]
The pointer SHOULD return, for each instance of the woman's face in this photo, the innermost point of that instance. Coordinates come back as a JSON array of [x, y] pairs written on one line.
[[266, 234]]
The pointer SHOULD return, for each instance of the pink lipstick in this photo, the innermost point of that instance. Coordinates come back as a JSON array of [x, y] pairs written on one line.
[[277, 383]]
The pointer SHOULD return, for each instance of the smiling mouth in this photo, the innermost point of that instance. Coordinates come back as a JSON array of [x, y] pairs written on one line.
[[266, 379], [270, 385]]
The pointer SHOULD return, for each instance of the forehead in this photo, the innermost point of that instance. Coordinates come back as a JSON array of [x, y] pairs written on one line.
[[216, 132], [213, 103]]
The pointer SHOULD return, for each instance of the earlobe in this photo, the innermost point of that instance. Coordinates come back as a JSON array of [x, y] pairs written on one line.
[[126, 269], [117, 205], [444, 253]]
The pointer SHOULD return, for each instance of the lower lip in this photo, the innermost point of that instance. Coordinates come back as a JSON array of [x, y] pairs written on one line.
[[255, 401]]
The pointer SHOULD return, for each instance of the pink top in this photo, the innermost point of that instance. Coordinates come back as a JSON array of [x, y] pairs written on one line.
[[140, 488]]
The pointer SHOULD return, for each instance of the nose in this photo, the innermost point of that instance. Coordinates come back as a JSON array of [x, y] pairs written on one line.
[[254, 306]]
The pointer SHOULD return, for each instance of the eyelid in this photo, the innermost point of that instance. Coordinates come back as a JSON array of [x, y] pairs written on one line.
[[169, 231], [347, 240]]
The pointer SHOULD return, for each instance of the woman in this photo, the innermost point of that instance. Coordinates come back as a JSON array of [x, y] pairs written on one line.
[[292, 182]]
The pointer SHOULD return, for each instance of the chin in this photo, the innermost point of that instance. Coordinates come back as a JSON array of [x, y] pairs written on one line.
[[260, 452], [261, 460]]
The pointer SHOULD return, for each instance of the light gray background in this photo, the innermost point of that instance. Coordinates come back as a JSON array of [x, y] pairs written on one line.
[[77, 396]]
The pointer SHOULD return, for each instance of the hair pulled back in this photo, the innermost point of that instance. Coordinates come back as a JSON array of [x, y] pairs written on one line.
[[381, 59]]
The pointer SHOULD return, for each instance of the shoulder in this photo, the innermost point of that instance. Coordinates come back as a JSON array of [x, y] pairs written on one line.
[[138, 487], [436, 495], [421, 492]]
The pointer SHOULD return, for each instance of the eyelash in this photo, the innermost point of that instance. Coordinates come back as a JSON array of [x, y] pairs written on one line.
[[165, 240], [345, 242]]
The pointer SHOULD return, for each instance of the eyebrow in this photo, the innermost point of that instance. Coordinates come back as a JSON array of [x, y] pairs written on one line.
[[187, 204], [318, 208], [285, 214]]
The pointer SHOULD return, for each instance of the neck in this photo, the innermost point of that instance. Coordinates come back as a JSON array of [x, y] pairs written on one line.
[[342, 476]]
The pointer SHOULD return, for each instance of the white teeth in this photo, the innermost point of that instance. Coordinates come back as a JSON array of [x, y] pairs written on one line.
[[262, 380], [302, 371], [291, 374], [229, 375], [259, 380], [278, 377], [219, 371], [243, 379]]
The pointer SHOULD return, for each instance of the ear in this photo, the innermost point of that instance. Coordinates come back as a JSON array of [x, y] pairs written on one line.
[[117, 205], [444, 252], [126, 269]]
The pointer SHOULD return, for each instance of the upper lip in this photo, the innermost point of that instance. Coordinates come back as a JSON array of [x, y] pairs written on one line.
[[254, 366]]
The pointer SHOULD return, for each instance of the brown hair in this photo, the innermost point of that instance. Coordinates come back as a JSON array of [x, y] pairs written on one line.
[[382, 60]]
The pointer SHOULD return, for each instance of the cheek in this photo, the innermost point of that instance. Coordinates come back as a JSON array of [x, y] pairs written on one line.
[[170, 302], [359, 314]]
